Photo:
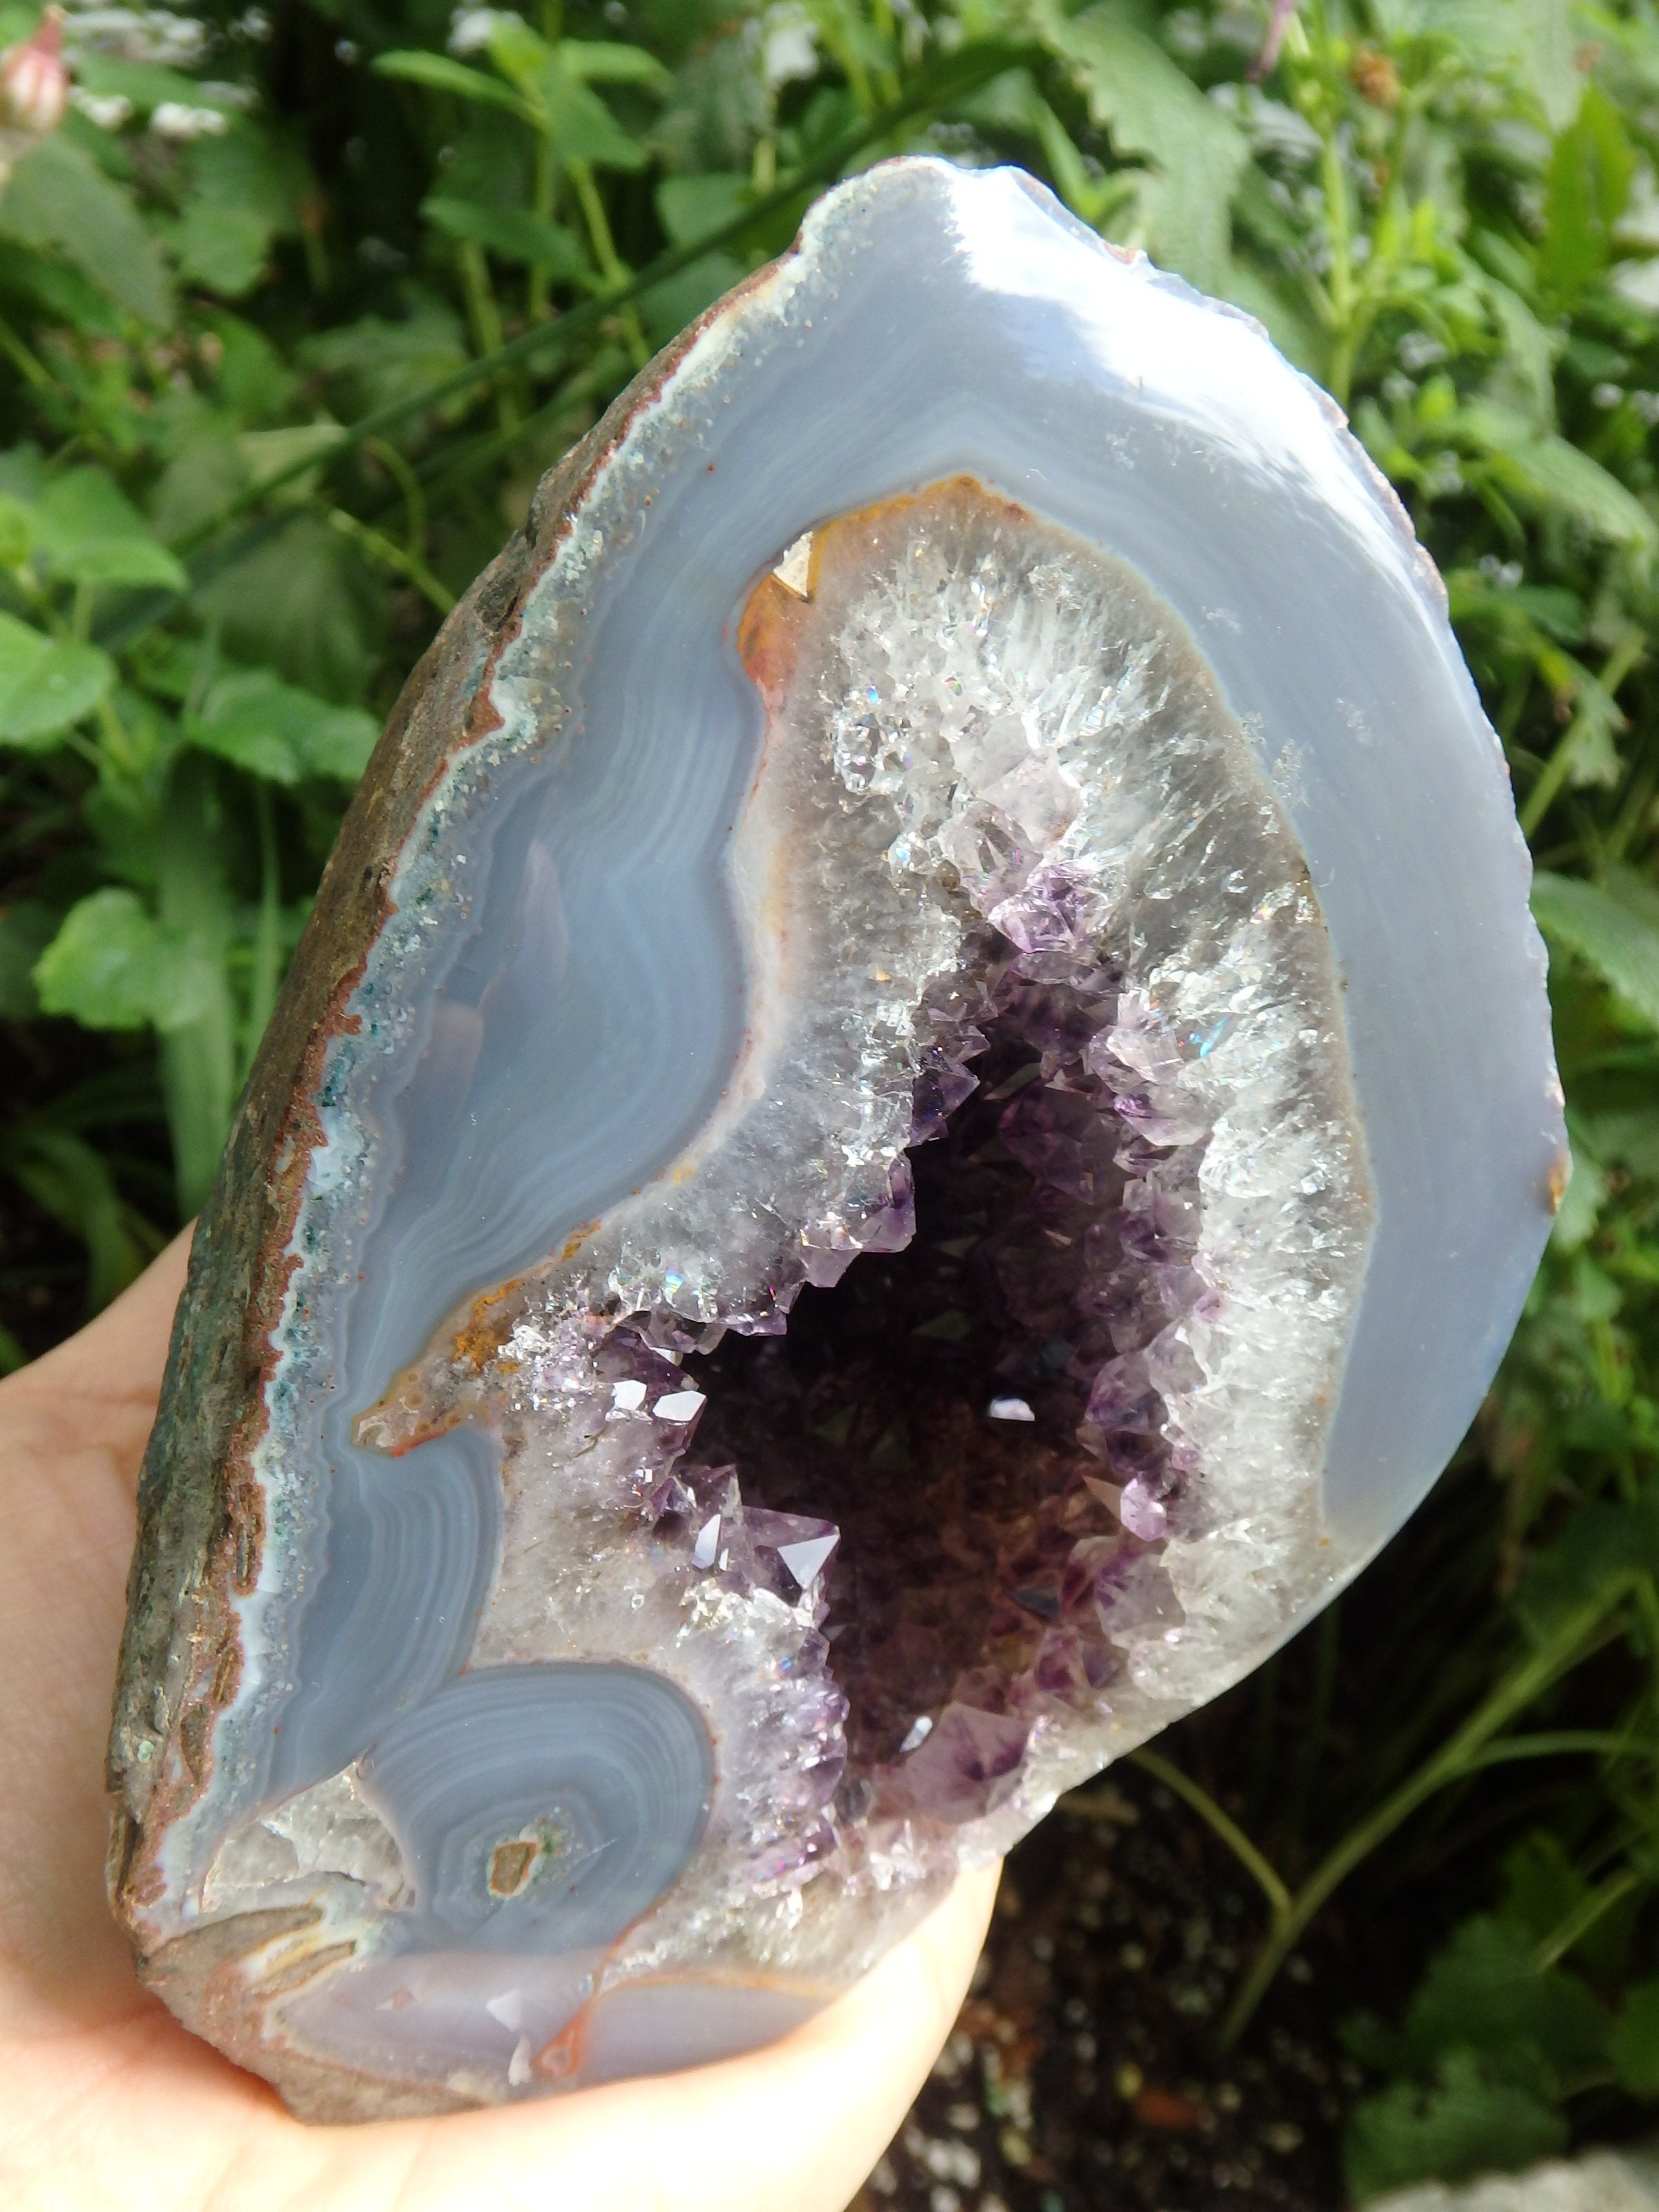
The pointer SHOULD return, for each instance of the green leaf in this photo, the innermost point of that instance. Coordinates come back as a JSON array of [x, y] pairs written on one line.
[[90, 533], [1559, 475], [1541, 1886], [1587, 189], [1473, 2121], [689, 208], [1483, 1992], [583, 128], [46, 684], [1585, 1195], [1627, 1137], [1634, 2042], [303, 604], [513, 234], [1152, 108], [222, 247], [1601, 1546], [72, 1181], [379, 362], [251, 380], [440, 73], [1614, 929], [519, 52], [146, 85], [113, 966], [246, 168], [58, 198], [268, 454], [57, 292], [277, 730], [1551, 40], [1529, 353], [603, 61], [206, 472], [16, 532]]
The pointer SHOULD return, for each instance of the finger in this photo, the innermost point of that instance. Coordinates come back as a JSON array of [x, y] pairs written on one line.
[[72, 1431], [797, 2126]]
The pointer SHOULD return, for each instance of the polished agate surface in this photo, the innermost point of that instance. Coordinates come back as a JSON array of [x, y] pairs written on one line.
[[949, 1116]]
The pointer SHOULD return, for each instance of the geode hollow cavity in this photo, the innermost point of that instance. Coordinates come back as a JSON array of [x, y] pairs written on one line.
[[917, 1107]]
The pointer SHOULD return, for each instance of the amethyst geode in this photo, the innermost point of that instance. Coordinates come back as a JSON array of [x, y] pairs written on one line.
[[916, 1107]]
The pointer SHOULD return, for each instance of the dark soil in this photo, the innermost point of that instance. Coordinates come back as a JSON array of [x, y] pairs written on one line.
[[1083, 2072]]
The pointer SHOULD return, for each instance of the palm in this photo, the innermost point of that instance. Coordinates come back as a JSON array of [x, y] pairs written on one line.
[[103, 2099]]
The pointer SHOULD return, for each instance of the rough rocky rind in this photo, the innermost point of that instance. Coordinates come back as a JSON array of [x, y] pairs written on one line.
[[199, 1515]]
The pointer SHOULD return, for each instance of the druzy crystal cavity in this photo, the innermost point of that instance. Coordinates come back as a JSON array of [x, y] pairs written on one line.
[[915, 1110]]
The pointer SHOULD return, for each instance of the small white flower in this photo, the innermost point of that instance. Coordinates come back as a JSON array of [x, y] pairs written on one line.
[[173, 119], [108, 111], [474, 27], [789, 44]]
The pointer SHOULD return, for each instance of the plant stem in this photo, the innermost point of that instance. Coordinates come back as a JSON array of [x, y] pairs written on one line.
[[1456, 1758], [1260, 1869], [484, 317], [1558, 1743], [398, 468], [1557, 768], [609, 264], [380, 548], [545, 187], [1584, 1915], [198, 1059], [32, 368]]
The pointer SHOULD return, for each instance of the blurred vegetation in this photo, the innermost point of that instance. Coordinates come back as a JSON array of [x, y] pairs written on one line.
[[296, 304]]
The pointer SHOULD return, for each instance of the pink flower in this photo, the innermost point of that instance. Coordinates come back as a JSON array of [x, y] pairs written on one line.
[[1278, 22], [34, 80]]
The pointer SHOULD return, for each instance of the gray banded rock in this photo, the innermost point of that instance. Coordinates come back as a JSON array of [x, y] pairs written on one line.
[[914, 1111]]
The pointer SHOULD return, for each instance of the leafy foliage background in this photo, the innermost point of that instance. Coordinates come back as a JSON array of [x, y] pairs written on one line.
[[296, 305]]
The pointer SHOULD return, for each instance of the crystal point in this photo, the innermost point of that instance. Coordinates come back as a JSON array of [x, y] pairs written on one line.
[[887, 1156]]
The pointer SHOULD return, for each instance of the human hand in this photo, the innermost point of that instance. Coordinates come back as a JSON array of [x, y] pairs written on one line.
[[106, 2100]]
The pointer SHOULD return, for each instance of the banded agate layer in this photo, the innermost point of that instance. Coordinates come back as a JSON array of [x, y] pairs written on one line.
[[917, 1108]]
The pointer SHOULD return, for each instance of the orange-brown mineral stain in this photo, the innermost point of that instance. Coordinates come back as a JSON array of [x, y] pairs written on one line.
[[509, 1866], [485, 1332], [778, 619], [559, 2058]]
